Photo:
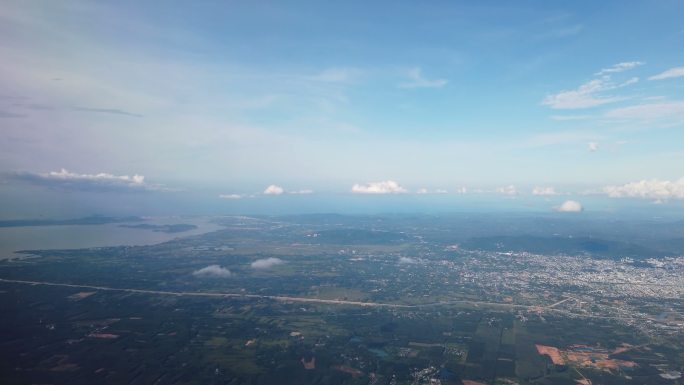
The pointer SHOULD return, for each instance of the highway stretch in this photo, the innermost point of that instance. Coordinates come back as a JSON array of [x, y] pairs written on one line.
[[281, 298]]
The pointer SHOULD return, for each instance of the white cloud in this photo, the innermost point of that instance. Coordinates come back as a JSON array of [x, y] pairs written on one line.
[[214, 271], [302, 192], [570, 207], [628, 82], [422, 191], [441, 191], [266, 263], [507, 190], [461, 190], [337, 75], [620, 67], [544, 191], [416, 80], [651, 111], [137, 180], [583, 97], [671, 73], [273, 190], [407, 261], [384, 187], [589, 94], [650, 189], [565, 118], [230, 196], [100, 181], [592, 146]]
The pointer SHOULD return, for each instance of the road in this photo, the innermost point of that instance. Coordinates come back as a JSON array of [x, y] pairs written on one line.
[[282, 298]]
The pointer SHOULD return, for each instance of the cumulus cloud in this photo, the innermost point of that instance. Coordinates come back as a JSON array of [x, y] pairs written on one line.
[[407, 261], [671, 73], [422, 191], [507, 190], [273, 190], [213, 271], [570, 207], [620, 67], [303, 192], [100, 181], [384, 187], [649, 189], [266, 263], [592, 146], [230, 196], [544, 191], [417, 80]]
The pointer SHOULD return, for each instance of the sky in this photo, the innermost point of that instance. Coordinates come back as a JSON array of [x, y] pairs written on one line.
[[231, 101]]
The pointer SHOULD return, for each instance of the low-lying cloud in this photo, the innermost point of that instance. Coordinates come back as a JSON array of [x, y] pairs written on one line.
[[507, 190], [301, 192], [213, 271], [266, 263], [230, 196], [407, 261], [100, 181], [648, 189], [273, 190], [544, 191], [570, 207], [384, 187]]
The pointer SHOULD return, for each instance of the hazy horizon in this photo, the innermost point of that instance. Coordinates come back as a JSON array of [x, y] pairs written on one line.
[[211, 105]]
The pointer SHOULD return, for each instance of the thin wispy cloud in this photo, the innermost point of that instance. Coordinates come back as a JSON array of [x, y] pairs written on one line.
[[620, 67], [567, 118], [418, 80], [592, 93], [592, 146], [35, 106], [111, 111], [585, 96], [10, 115], [337, 75], [649, 111], [675, 72]]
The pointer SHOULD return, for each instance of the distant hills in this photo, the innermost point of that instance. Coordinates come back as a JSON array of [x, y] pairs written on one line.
[[564, 245], [91, 220]]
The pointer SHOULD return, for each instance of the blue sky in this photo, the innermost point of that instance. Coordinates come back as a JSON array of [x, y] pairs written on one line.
[[227, 98]]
